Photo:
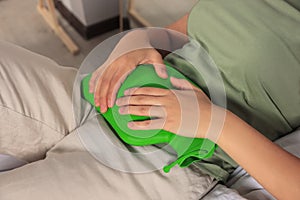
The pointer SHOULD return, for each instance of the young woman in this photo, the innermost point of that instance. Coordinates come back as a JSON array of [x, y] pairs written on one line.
[[255, 44]]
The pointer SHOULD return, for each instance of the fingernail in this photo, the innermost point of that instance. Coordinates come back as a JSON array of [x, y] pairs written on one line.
[[130, 124], [103, 108], [164, 72], [126, 92], [118, 102], [121, 110]]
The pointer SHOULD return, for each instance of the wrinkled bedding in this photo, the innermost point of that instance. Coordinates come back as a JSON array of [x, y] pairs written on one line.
[[70, 171], [240, 185], [37, 126]]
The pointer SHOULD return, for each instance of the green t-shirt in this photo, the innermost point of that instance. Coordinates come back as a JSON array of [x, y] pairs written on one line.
[[256, 47], [294, 3]]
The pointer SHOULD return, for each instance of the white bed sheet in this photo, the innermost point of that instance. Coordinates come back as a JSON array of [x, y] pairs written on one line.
[[240, 185], [246, 186], [8, 162]]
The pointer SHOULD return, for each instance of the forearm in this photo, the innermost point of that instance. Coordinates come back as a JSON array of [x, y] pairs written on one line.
[[168, 40], [138, 39], [133, 40], [276, 169], [179, 32], [171, 38], [180, 25]]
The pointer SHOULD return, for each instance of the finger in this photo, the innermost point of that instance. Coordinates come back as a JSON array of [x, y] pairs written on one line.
[[160, 69], [96, 93], [158, 63], [93, 81], [181, 84], [102, 86], [153, 111], [140, 100], [95, 76], [151, 91], [116, 83], [147, 124]]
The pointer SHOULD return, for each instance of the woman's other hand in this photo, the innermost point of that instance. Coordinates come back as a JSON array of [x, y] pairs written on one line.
[[178, 111], [132, 50]]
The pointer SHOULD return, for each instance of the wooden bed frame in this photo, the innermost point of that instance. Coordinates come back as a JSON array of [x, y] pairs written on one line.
[[47, 9]]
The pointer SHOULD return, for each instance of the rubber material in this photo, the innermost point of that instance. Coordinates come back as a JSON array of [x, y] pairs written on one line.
[[188, 149]]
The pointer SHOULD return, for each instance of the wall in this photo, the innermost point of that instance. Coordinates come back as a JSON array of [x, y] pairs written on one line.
[[90, 12], [100, 10]]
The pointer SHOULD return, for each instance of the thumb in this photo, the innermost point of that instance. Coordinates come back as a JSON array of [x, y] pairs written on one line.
[[95, 75], [160, 68], [181, 84]]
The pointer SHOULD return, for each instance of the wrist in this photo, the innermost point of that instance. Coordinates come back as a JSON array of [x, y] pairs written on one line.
[[132, 41], [212, 122], [219, 117], [233, 126], [135, 39]]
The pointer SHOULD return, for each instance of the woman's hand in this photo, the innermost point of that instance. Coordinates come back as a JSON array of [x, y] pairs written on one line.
[[132, 50], [106, 80], [178, 111]]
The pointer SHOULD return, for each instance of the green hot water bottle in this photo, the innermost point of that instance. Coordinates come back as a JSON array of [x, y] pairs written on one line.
[[188, 149]]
